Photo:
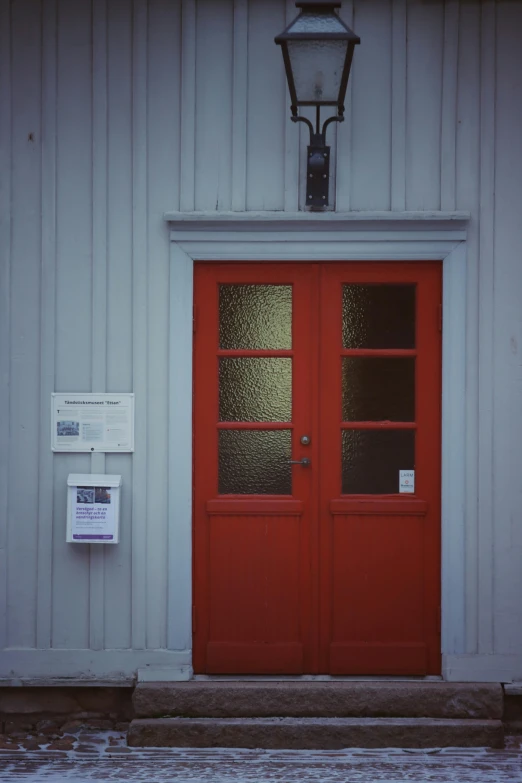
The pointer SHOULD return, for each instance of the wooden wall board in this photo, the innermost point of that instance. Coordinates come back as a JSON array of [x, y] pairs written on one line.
[[24, 292], [5, 300], [118, 560], [507, 335]]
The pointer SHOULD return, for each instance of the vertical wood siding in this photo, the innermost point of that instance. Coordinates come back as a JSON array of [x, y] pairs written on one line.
[[118, 560], [507, 335], [47, 324], [487, 513], [371, 158], [24, 381], [468, 159], [113, 113], [5, 302]]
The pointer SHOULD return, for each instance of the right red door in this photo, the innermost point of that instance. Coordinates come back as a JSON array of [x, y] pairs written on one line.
[[379, 485]]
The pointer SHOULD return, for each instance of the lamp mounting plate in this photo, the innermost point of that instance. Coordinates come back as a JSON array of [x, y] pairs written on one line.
[[317, 175]]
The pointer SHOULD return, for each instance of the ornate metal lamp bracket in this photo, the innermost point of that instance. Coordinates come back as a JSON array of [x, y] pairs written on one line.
[[318, 158]]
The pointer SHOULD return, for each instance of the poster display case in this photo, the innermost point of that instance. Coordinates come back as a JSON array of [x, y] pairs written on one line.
[[93, 508]]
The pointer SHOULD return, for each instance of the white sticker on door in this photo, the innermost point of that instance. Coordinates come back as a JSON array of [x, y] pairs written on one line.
[[406, 481]]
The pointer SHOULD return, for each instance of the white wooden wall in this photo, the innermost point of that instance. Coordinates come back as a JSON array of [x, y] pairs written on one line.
[[112, 113]]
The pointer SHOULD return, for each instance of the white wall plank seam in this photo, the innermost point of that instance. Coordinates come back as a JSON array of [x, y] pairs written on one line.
[[118, 559], [179, 606], [164, 63], [73, 312], [371, 108], [506, 368], [423, 115], [99, 287], [453, 508], [449, 106], [139, 343], [292, 131], [5, 285], [343, 160], [468, 195], [486, 309], [398, 116], [239, 106], [47, 324], [188, 106]]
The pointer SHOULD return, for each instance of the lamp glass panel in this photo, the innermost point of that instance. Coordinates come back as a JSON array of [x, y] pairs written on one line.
[[310, 23], [317, 67]]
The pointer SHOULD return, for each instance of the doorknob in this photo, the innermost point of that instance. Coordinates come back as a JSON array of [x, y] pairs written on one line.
[[305, 462]]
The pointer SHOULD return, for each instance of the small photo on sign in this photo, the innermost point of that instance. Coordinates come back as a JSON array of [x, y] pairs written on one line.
[[67, 429], [102, 495], [85, 495]]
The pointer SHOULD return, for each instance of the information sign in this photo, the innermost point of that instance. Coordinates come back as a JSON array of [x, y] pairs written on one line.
[[92, 422]]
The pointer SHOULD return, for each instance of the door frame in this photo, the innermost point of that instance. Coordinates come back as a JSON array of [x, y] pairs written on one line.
[[278, 237]]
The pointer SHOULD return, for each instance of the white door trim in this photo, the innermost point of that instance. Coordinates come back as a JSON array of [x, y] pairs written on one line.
[[280, 237]]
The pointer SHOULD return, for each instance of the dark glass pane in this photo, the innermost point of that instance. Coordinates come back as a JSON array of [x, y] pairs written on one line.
[[252, 389], [255, 462], [378, 316], [371, 460], [378, 389], [255, 317]]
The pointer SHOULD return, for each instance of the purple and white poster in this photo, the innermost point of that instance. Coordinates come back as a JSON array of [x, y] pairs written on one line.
[[93, 515]]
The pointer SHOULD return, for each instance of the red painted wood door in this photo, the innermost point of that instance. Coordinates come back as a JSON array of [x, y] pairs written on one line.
[[317, 468]]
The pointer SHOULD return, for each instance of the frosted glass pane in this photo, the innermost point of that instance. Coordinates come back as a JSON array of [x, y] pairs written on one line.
[[317, 23], [378, 316], [378, 389], [255, 317], [252, 389], [254, 462], [318, 68], [372, 459]]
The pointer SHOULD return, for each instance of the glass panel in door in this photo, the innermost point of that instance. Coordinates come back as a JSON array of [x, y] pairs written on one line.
[[378, 364], [255, 388]]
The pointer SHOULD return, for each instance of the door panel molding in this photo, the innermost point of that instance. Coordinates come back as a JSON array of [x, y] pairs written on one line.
[[278, 237], [389, 507], [259, 507]]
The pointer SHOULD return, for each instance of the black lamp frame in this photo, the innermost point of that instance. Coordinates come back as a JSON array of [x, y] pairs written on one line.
[[318, 169]]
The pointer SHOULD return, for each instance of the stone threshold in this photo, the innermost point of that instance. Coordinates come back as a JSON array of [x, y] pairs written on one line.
[[308, 699], [314, 733]]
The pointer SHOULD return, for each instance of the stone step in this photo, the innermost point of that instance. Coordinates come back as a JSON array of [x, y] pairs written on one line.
[[316, 699], [314, 733]]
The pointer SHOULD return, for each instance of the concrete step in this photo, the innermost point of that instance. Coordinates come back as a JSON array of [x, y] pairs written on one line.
[[314, 733], [314, 699]]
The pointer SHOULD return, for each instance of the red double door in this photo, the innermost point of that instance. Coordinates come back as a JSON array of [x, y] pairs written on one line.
[[317, 468]]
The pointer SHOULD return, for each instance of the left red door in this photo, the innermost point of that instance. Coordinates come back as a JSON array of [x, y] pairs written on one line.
[[254, 370]]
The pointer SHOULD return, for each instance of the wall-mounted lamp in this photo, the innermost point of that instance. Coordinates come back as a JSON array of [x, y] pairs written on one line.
[[317, 51]]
